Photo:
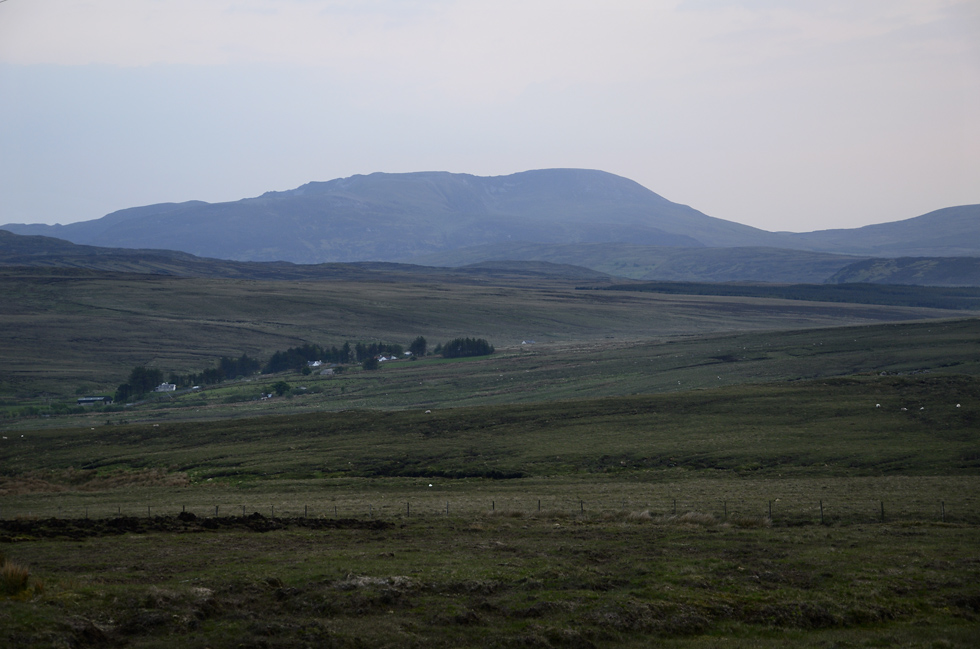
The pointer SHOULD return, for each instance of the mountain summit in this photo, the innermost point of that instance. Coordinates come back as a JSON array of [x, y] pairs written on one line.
[[386, 217]]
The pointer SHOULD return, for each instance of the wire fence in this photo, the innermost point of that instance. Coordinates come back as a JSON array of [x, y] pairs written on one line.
[[777, 512]]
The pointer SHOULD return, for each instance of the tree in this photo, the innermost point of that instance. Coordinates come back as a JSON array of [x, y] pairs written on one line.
[[123, 392], [418, 347], [371, 363], [281, 388], [461, 347], [143, 379]]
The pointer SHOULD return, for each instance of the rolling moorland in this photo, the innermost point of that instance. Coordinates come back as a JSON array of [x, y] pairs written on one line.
[[629, 467], [688, 464]]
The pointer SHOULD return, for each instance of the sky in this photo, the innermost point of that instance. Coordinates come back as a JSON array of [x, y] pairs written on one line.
[[793, 115]]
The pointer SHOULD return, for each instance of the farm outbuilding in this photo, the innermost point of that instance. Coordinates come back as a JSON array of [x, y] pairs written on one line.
[[91, 401]]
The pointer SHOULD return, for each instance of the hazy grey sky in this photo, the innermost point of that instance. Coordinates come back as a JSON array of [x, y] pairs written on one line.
[[796, 115]]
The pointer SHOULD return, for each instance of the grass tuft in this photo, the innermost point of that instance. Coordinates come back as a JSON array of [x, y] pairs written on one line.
[[14, 578]]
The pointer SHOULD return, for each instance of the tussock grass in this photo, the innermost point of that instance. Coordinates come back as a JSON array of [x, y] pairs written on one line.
[[15, 579], [749, 521]]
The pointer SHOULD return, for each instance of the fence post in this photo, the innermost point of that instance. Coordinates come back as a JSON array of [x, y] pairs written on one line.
[[447, 508], [581, 505], [243, 511], [726, 510], [148, 512], [539, 504], [215, 511], [882, 511], [944, 510], [770, 511], [821, 512], [273, 511], [306, 510], [408, 509]]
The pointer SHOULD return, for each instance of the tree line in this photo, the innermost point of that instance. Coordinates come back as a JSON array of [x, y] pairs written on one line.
[[143, 380]]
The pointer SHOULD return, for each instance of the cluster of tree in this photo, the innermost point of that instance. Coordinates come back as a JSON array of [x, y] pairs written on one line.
[[460, 347], [296, 358], [142, 379], [227, 368], [364, 352]]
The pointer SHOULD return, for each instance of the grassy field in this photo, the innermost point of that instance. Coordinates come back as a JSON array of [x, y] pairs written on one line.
[[502, 581], [828, 512], [655, 470]]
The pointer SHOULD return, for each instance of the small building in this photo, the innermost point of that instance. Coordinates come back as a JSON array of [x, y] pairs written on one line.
[[92, 401], [166, 387]]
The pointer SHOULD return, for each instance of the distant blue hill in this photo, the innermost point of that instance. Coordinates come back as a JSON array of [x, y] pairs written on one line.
[[388, 217], [399, 217]]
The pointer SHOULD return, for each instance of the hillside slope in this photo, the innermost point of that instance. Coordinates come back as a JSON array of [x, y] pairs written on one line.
[[38, 251], [927, 271], [745, 264], [411, 216], [389, 217], [949, 232]]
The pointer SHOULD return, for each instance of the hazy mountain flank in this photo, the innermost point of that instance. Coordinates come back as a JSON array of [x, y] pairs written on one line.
[[574, 217], [37, 251], [389, 217]]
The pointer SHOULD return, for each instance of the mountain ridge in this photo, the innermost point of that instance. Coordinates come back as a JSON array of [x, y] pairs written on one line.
[[401, 217]]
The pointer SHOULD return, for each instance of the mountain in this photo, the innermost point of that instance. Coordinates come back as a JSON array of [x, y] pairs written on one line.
[[949, 232], [391, 217], [570, 216]]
